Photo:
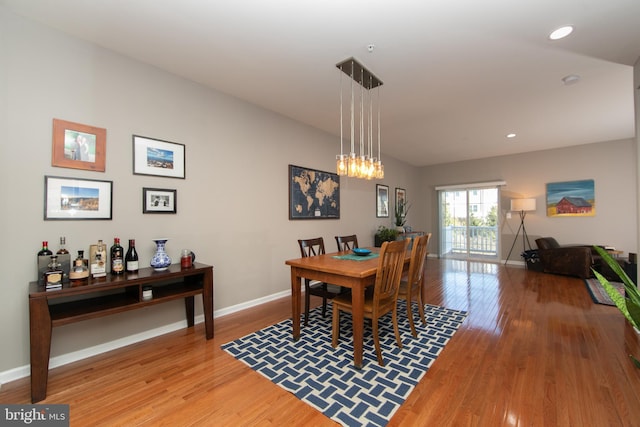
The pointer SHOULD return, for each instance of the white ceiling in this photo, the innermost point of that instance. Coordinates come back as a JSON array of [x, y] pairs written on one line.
[[458, 74]]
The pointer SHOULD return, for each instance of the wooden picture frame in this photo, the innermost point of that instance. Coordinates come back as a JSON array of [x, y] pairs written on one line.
[[382, 201], [158, 158], [304, 187], [78, 146], [159, 201], [77, 199]]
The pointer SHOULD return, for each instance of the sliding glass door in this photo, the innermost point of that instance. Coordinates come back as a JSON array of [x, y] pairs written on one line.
[[469, 222]]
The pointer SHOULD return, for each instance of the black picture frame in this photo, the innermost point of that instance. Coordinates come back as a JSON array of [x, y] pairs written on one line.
[[159, 201], [304, 186], [77, 199], [158, 158], [382, 201]]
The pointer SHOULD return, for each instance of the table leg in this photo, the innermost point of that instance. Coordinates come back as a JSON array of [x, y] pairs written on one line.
[[357, 304], [296, 294], [189, 308], [40, 337]]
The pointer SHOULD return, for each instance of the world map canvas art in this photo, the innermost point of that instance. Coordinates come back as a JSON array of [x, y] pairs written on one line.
[[313, 194]]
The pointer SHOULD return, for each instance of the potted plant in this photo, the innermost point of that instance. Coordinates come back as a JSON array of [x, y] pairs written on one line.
[[385, 234], [629, 304], [402, 209]]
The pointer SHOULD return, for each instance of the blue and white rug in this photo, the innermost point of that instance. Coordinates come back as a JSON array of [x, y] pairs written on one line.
[[326, 379]]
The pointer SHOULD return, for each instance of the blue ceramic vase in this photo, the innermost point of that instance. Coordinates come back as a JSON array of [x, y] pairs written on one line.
[[160, 261]]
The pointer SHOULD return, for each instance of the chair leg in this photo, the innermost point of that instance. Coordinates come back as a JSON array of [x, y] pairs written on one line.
[[396, 330], [376, 341], [421, 310], [324, 300], [307, 301], [335, 326], [410, 316]]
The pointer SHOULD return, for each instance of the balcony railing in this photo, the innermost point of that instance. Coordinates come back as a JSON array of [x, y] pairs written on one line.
[[482, 241]]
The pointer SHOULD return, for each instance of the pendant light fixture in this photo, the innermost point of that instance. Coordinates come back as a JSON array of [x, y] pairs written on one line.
[[364, 125]]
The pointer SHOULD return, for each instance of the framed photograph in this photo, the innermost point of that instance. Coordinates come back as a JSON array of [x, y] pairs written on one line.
[[401, 196], [313, 194], [156, 157], [159, 200], [572, 198], [73, 198], [382, 201], [78, 146]]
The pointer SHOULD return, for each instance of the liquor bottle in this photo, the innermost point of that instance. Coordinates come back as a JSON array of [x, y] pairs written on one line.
[[62, 250], [45, 249], [79, 273], [53, 275], [117, 257], [98, 260], [131, 259], [42, 261]]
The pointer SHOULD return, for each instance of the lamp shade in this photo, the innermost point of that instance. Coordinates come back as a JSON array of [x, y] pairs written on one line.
[[523, 204]]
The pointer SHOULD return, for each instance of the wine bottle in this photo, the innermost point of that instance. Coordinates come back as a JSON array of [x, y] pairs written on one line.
[[62, 249], [131, 259], [117, 258], [45, 249]]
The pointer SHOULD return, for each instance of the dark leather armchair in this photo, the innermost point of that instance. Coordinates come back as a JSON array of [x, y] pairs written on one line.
[[576, 260]]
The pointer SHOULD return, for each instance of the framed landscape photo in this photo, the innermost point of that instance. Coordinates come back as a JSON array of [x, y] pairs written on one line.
[[159, 200], [382, 201], [156, 157], [313, 194], [75, 199], [78, 146]]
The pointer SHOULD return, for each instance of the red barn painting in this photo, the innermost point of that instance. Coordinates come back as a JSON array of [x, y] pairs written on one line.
[[573, 205]]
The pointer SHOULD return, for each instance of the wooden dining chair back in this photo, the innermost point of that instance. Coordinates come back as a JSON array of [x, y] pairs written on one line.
[[347, 243], [411, 288], [308, 248], [384, 297]]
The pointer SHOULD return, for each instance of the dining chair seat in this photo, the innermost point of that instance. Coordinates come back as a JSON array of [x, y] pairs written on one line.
[[382, 300]]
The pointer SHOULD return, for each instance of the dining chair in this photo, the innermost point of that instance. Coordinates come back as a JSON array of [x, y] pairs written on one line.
[[411, 288], [384, 298], [313, 247], [346, 243]]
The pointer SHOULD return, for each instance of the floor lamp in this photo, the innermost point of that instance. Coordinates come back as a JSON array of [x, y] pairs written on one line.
[[521, 206]]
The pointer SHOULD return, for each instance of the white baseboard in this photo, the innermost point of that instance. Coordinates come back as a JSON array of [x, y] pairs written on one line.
[[63, 359]]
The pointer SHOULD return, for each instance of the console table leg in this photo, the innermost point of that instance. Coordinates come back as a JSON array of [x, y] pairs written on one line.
[[40, 337], [207, 302], [188, 304]]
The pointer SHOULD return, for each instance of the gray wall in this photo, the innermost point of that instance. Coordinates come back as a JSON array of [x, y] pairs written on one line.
[[612, 165], [232, 207]]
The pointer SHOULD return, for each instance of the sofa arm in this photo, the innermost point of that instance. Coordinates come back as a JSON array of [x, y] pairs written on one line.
[[571, 261]]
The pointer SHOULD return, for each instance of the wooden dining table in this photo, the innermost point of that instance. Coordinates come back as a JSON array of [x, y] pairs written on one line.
[[354, 274]]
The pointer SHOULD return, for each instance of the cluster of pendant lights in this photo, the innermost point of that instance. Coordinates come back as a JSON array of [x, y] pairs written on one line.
[[364, 125]]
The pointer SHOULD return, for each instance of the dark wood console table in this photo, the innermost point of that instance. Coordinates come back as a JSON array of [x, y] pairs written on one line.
[[109, 295]]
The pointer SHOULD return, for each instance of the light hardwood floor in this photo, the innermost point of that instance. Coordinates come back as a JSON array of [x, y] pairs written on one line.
[[533, 351]]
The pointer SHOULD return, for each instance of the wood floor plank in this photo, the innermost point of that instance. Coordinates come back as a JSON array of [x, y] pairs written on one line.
[[534, 350]]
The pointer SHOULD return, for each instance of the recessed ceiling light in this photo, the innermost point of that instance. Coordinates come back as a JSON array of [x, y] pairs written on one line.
[[511, 135], [561, 32], [571, 79]]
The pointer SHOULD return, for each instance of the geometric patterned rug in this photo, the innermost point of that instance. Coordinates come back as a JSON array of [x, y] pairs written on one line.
[[598, 294], [326, 379]]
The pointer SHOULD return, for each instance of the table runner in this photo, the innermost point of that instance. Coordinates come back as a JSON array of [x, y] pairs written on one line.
[[355, 257]]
